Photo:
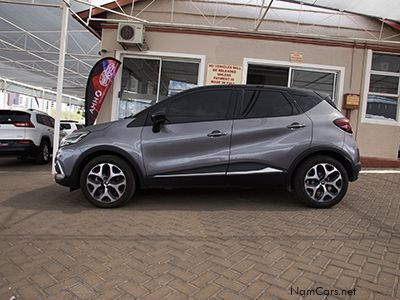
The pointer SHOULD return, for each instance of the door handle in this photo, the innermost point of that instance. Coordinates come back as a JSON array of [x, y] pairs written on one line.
[[296, 125], [217, 133]]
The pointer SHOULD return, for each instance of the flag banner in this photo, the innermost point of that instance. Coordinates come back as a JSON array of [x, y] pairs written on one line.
[[98, 84]]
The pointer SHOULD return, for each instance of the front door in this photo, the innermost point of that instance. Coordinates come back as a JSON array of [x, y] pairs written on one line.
[[195, 139]]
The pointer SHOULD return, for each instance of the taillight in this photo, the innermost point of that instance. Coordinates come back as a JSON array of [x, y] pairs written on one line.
[[24, 124], [344, 124], [24, 142]]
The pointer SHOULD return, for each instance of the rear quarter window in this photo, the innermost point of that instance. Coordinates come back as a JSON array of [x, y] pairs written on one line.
[[11, 117]]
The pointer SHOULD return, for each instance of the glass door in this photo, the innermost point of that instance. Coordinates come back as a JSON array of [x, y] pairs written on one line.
[[146, 81], [139, 85]]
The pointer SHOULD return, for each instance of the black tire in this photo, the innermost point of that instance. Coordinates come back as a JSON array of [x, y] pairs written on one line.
[[101, 191], [321, 192], [43, 156]]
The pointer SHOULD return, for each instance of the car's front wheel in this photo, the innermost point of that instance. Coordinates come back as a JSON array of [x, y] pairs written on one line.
[[108, 181], [321, 182]]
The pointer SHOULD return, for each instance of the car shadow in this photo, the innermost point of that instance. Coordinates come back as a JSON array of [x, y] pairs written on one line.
[[54, 197], [23, 164]]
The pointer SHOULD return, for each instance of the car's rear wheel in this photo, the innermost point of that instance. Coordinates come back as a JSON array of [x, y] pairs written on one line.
[[321, 182], [43, 154], [108, 181]]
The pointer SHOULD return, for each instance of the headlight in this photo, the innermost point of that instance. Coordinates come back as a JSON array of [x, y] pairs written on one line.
[[73, 138]]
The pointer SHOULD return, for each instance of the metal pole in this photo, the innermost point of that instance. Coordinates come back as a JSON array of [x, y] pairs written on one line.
[[60, 79]]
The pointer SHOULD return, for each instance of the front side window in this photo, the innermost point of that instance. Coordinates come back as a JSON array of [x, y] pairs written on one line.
[[265, 104], [383, 90], [211, 105]]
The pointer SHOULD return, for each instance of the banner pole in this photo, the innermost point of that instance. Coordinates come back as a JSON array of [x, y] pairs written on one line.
[[60, 80]]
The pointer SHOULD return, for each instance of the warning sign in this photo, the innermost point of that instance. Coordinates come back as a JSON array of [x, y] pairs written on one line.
[[224, 74]]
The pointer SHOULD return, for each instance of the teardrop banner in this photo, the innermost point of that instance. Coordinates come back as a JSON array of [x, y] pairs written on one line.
[[98, 84]]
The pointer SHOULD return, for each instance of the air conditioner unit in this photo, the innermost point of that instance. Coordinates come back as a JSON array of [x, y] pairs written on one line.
[[130, 33]]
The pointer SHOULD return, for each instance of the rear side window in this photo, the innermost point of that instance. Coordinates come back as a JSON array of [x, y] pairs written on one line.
[[40, 119], [65, 126], [45, 120], [306, 101], [11, 117], [265, 104], [50, 121], [209, 105]]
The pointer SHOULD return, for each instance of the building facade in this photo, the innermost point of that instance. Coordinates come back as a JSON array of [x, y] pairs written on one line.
[[177, 57]]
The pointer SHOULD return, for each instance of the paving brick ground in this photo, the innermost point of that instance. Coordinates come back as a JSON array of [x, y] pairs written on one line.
[[195, 244]]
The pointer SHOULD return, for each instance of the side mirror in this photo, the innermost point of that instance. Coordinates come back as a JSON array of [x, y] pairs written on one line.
[[158, 118]]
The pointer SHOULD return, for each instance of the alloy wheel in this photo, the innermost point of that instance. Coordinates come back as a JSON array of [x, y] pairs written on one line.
[[323, 182], [106, 182]]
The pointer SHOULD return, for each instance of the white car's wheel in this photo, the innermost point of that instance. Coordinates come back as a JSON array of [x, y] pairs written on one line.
[[43, 154]]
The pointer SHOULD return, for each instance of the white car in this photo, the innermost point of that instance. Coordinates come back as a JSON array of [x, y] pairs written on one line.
[[69, 126], [26, 133]]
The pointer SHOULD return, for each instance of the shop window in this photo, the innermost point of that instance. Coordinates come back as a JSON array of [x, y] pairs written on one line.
[[383, 90], [177, 77], [146, 81], [321, 81], [257, 74]]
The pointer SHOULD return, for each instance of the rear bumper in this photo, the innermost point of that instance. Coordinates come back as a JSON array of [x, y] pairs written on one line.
[[16, 148], [356, 168]]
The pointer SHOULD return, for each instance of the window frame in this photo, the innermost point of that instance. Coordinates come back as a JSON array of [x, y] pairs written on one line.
[[339, 70], [366, 92], [156, 55]]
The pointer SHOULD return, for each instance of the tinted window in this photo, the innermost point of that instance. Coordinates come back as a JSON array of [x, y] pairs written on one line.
[[50, 121], [306, 101], [40, 119], [265, 104], [200, 106], [79, 126], [65, 126], [45, 120], [11, 117]]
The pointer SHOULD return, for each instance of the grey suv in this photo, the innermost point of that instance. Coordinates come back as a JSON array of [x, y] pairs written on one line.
[[237, 135]]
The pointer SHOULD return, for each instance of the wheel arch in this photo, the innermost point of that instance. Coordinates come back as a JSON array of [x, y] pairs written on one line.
[[335, 153], [45, 138], [99, 151]]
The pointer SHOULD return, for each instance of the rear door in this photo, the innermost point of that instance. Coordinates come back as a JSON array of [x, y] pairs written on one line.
[[195, 140], [268, 134]]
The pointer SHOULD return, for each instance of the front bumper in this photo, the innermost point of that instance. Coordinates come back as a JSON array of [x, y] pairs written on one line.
[[64, 166]]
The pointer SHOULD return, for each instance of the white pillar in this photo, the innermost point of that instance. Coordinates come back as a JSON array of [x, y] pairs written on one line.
[[60, 80]]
